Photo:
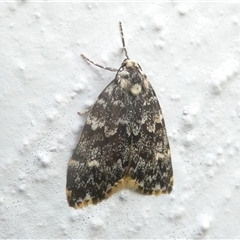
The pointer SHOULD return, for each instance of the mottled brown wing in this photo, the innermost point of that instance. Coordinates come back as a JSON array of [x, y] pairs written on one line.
[[98, 165], [123, 143], [150, 164]]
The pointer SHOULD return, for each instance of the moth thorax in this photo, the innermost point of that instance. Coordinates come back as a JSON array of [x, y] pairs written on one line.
[[131, 78], [136, 89], [133, 83]]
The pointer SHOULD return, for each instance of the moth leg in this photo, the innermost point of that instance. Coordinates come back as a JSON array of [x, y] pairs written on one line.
[[83, 112]]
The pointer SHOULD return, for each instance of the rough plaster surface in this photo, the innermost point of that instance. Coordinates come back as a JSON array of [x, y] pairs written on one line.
[[190, 53]]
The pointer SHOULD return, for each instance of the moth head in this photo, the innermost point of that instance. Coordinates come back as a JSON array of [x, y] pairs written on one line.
[[131, 78]]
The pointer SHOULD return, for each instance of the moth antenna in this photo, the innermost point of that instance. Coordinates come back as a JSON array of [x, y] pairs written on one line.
[[106, 68], [123, 41]]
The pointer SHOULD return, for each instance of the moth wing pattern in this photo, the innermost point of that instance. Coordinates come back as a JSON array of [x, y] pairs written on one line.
[[150, 168], [123, 143], [99, 161]]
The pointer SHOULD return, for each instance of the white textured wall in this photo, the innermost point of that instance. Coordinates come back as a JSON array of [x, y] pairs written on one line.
[[190, 53]]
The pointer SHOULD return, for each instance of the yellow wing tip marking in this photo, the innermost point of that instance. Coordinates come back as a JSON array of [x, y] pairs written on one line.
[[126, 182]]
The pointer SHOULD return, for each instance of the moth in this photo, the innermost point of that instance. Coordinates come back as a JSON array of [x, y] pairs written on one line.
[[124, 141]]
